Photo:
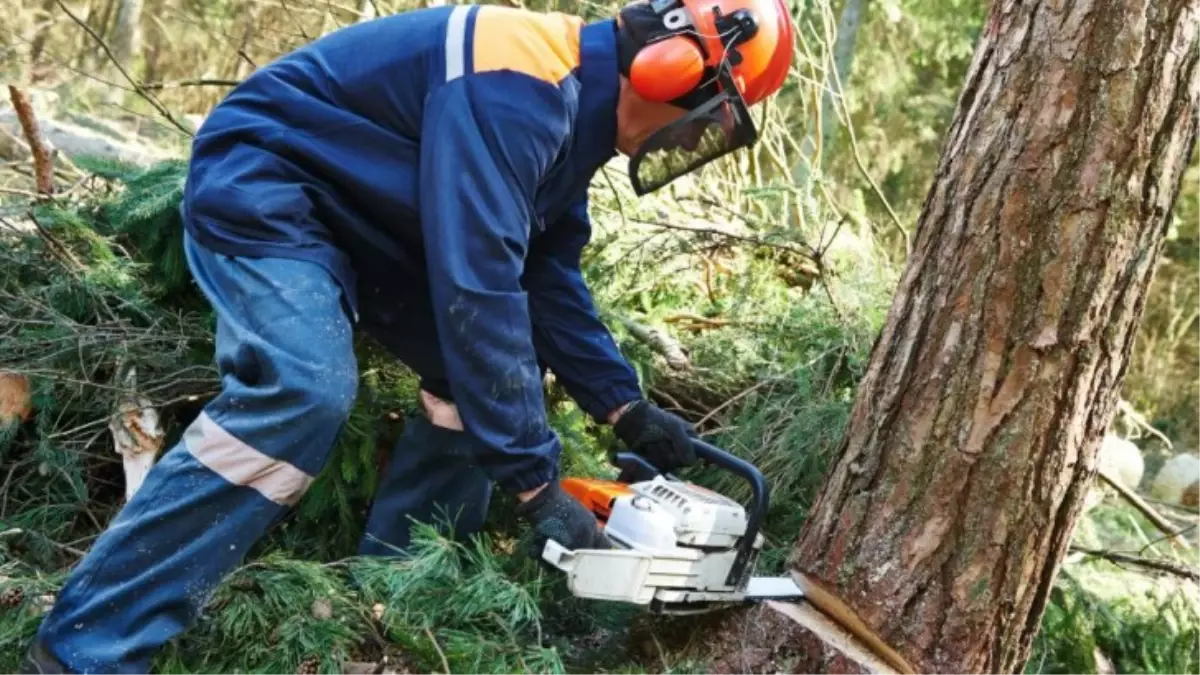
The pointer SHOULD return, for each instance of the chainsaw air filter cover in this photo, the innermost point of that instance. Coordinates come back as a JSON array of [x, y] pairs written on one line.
[[661, 514]]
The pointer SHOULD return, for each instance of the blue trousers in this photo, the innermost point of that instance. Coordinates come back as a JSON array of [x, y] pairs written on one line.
[[288, 380]]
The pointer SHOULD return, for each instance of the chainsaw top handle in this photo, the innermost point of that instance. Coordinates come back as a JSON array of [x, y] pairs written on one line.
[[635, 468]]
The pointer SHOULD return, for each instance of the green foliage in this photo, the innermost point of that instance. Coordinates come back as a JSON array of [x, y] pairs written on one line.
[[81, 322], [1154, 633], [144, 210], [295, 609], [461, 602], [469, 603], [25, 594]]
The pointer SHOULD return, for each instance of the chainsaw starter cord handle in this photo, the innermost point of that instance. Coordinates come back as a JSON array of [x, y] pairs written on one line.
[[635, 468]]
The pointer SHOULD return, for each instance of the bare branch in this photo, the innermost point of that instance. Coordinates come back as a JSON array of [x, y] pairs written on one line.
[[1141, 505], [660, 342], [1150, 563], [1140, 421], [191, 83], [141, 91], [43, 163]]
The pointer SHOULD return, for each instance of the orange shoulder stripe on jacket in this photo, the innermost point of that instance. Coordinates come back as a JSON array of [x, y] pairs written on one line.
[[545, 46]]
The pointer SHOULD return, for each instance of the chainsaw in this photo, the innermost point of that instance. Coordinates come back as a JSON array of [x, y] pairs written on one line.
[[679, 548]]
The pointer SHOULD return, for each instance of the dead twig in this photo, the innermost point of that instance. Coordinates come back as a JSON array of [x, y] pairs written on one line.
[[1140, 422], [441, 654], [43, 163], [1180, 533], [203, 82], [1140, 504], [734, 399], [696, 320], [1176, 511], [757, 241], [141, 91], [660, 342], [1150, 563]]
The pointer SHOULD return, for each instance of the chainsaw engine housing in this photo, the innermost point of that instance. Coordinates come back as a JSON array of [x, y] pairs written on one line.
[[679, 513], [678, 544]]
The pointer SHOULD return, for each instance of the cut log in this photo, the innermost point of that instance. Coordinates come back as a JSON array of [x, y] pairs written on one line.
[[15, 398]]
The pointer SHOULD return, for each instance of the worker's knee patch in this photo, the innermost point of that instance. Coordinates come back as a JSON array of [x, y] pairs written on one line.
[[289, 376]]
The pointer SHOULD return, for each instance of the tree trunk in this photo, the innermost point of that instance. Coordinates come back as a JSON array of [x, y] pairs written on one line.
[[974, 434], [843, 59], [126, 40], [836, 79]]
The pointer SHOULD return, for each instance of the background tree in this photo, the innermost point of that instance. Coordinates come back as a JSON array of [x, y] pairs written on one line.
[[974, 432]]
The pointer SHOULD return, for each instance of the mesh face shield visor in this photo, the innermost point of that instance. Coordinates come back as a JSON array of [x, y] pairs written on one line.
[[709, 131]]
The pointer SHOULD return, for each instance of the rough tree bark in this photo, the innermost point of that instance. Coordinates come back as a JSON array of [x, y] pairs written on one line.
[[973, 437], [974, 434]]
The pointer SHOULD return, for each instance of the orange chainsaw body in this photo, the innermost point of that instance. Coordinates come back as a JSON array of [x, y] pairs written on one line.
[[595, 494]]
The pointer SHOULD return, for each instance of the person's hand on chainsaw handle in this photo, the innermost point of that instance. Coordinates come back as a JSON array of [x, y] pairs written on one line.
[[664, 439], [554, 514]]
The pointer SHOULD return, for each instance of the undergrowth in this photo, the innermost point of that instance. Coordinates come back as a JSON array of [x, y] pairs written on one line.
[[1150, 632], [103, 292]]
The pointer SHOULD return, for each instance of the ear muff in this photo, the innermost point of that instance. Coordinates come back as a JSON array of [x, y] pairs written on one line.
[[666, 70]]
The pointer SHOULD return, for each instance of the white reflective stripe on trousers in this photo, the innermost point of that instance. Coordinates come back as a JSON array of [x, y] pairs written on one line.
[[241, 464]]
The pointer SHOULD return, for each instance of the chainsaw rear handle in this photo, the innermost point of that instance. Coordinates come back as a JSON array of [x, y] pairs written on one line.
[[636, 468]]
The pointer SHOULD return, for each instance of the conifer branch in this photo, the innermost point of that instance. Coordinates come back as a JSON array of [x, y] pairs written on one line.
[[660, 342], [441, 654]]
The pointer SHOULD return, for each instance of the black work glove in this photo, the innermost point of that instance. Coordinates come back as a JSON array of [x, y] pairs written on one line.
[[664, 439], [556, 515]]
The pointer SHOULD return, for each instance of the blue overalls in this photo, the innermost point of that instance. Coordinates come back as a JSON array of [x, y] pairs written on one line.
[[422, 177]]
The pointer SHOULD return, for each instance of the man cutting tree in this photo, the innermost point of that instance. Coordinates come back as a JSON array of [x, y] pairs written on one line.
[[421, 177]]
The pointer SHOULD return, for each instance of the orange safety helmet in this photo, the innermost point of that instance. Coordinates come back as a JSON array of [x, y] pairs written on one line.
[[714, 58], [755, 34]]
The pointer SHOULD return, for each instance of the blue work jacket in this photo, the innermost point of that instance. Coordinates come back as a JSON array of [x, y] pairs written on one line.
[[436, 163]]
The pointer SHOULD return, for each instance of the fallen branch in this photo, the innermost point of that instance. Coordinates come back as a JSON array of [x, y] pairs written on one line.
[[1140, 422], [1150, 563], [1175, 511], [694, 322], [1140, 504], [660, 342], [43, 164]]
